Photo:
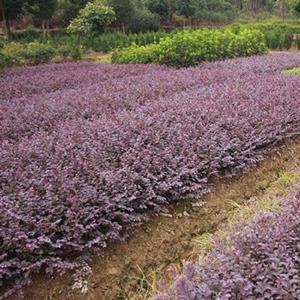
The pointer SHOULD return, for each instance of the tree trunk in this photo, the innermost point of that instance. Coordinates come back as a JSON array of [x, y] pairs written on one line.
[[5, 21], [44, 28]]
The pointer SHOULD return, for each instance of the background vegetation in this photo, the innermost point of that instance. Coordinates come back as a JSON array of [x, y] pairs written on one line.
[[36, 31]]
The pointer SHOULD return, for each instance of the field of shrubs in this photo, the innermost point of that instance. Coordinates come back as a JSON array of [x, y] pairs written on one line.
[[89, 152]]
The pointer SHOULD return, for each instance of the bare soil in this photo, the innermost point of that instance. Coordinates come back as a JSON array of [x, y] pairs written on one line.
[[167, 239]]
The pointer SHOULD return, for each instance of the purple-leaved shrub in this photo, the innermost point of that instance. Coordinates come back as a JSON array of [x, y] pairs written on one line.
[[262, 262], [89, 152]]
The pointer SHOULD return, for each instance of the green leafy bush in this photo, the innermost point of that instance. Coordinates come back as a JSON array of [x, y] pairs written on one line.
[[14, 54], [278, 35], [187, 48], [246, 43], [92, 19], [5, 60], [76, 54], [136, 55], [37, 53]]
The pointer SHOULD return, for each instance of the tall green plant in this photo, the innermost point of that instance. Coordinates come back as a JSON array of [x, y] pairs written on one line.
[[92, 19]]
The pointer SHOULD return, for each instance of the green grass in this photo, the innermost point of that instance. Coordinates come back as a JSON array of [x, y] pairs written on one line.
[[294, 71]]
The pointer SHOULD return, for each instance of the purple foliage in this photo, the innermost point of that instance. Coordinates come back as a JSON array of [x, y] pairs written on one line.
[[88, 152], [263, 262]]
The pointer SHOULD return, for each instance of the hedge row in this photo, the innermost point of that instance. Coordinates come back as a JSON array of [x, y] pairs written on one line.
[[262, 262], [15, 54], [189, 48], [278, 35], [117, 40], [88, 152]]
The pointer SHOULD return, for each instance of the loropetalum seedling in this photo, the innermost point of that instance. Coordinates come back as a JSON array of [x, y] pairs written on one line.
[[261, 260], [89, 152]]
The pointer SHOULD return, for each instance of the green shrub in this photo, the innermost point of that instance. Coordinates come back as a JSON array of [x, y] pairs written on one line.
[[37, 53], [246, 43], [76, 54], [117, 40], [6, 60], [187, 48], [278, 35], [2, 42], [286, 40], [64, 51], [13, 52], [136, 54]]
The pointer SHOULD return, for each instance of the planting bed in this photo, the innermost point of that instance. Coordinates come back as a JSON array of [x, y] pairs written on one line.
[[260, 260], [89, 152]]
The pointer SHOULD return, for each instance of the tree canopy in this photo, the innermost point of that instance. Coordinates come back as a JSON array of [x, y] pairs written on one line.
[[139, 15]]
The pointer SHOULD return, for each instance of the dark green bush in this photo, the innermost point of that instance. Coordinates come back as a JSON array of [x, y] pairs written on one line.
[[2, 42], [5, 60]]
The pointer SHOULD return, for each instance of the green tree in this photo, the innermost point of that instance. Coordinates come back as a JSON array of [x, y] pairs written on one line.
[[92, 19], [185, 8], [297, 7], [124, 10], [42, 10], [161, 7], [143, 21], [68, 10]]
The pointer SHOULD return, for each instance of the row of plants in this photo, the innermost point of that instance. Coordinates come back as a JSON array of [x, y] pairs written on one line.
[[187, 48], [159, 47], [278, 35], [90, 151], [258, 259], [34, 48], [104, 42], [117, 40], [33, 53]]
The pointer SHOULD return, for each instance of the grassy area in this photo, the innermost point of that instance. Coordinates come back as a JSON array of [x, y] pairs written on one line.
[[294, 71], [99, 58]]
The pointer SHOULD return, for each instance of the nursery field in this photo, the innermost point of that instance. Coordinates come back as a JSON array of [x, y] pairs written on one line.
[[90, 152]]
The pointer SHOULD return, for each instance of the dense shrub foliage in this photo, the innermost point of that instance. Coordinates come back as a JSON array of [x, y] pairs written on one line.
[[278, 35], [262, 262], [35, 49], [88, 152], [187, 48], [14, 53], [118, 40]]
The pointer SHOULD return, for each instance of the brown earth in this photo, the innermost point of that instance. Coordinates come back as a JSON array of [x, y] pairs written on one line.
[[167, 239]]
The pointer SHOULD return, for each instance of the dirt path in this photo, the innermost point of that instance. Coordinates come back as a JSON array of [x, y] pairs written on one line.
[[167, 238]]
